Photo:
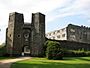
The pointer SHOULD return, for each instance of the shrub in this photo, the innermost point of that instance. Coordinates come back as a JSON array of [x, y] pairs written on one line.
[[2, 51], [53, 50], [76, 53]]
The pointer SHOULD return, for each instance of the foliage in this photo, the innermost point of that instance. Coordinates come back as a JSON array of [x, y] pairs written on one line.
[[5, 58], [2, 49], [76, 53], [2, 45], [53, 50]]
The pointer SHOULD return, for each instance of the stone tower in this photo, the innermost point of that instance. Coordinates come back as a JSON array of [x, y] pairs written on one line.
[[38, 34], [20, 35], [14, 34]]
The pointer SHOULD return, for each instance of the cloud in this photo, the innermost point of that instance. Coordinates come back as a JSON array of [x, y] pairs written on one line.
[[29, 6], [3, 14], [53, 9], [77, 7], [64, 7]]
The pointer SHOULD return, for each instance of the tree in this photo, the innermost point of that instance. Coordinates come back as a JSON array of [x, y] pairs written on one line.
[[53, 50]]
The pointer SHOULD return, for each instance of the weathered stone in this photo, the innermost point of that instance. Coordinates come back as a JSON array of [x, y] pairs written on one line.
[[20, 34], [38, 34], [71, 33]]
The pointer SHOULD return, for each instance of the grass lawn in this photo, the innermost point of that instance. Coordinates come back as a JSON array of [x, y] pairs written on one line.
[[71, 62]]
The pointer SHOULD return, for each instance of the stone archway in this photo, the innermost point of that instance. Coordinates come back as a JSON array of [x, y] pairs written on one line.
[[25, 50]]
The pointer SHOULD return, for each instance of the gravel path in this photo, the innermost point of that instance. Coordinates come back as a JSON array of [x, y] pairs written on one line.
[[7, 63]]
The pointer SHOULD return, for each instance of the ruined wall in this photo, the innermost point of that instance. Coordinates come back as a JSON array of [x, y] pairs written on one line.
[[60, 34], [26, 37], [38, 34], [78, 33], [72, 45], [14, 34], [20, 34]]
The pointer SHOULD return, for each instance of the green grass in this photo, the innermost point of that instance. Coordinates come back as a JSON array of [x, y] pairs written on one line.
[[71, 62]]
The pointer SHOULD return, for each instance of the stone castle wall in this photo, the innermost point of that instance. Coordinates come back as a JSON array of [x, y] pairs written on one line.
[[72, 45], [20, 34], [38, 34], [78, 33], [71, 33]]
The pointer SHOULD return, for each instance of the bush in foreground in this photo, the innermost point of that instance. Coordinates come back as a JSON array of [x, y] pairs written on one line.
[[53, 50]]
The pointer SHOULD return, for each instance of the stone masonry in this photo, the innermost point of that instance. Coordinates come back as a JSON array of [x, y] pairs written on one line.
[[71, 33], [20, 34]]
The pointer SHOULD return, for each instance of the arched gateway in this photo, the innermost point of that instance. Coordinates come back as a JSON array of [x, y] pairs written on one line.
[[30, 35]]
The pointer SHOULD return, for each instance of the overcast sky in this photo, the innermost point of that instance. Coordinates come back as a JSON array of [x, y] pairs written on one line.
[[59, 13]]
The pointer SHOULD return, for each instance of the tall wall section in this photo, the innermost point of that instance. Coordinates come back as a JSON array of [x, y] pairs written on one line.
[[38, 34], [14, 34], [78, 33]]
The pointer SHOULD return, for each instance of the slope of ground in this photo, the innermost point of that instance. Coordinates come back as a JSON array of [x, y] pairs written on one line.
[[71, 62]]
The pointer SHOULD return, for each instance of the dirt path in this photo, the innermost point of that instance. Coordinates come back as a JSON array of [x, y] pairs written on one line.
[[7, 63]]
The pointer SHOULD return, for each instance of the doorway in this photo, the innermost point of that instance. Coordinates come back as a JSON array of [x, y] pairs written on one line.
[[26, 50]]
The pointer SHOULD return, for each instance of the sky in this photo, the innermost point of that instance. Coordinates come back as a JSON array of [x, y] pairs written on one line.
[[59, 13]]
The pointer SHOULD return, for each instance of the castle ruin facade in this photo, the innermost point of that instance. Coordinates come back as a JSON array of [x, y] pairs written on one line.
[[71, 33], [20, 35]]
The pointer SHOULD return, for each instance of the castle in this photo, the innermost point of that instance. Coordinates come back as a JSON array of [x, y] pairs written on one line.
[[20, 35], [30, 37], [71, 33]]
